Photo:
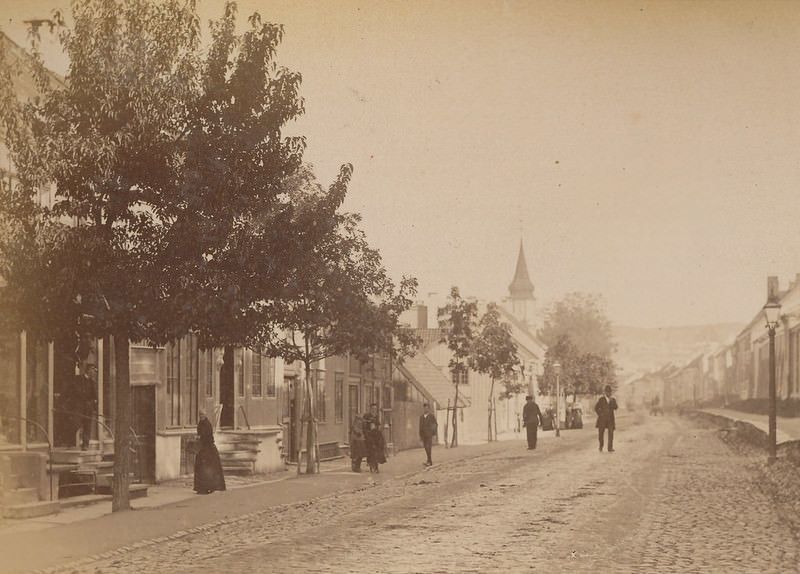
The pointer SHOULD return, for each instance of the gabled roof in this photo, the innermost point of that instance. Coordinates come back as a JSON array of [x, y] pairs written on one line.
[[522, 336], [21, 64], [429, 380]]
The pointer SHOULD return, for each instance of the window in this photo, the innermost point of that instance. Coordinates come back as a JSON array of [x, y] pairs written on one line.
[[209, 381], [9, 388], [37, 360], [255, 371], [270, 377], [461, 378], [320, 398], [369, 398], [240, 386], [338, 397], [174, 383]]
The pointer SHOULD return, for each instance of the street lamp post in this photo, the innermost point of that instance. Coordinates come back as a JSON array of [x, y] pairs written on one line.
[[557, 369], [772, 314]]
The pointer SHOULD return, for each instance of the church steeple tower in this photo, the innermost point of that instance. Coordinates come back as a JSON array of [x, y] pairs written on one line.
[[521, 291]]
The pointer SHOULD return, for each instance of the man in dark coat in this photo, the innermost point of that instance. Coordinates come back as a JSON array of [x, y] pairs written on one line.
[[358, 444], [605, 407], [531, 419], [427, 430]]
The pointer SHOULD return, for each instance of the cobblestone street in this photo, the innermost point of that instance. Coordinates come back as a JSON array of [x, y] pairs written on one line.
[[673, 498]]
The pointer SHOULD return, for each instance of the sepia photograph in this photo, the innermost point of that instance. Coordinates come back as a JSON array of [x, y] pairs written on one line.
[[399, 286]]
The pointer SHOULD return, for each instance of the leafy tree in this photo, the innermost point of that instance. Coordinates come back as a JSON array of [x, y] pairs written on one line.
[[580, 373], [337, 299], [157, 159], [594, 373], [581, 317], [459, 321], [494, 352], [566, 354]]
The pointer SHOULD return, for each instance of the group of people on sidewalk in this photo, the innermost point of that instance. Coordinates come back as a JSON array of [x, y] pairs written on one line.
[[366, 438], [366, 441], [604, 407]]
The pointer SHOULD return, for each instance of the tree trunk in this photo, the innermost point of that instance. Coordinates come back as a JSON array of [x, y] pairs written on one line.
[[312, 458], [446, 422], [491, 392], [120, 496], [494, 409], [299, 397], [454, 442]]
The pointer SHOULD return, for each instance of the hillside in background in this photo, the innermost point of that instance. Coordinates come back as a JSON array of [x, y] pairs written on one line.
[[641, 349]]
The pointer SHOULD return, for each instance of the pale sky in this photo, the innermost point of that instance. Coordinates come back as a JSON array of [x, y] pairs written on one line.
[[644, 151]]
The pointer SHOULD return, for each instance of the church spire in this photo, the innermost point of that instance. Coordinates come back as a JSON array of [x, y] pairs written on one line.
[[521, 286], [521, 291]]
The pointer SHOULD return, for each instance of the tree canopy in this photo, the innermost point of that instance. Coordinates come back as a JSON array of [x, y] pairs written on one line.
[[173, 202], [580, 316]]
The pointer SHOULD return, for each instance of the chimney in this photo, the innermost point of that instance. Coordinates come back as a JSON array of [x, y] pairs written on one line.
[[772, 288], [422, 316]]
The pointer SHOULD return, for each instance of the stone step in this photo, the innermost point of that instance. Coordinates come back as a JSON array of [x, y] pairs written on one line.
[[233, 455], [229, 446], [31, 509], [238, 470], [135, 490], [76, 456], [18, 496]]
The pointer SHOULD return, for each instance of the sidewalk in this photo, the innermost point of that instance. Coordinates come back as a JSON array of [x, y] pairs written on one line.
[[172, 508], [787, 429]]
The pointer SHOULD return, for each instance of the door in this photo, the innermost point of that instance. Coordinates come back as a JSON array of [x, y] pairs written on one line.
[[144, 425], [352, 404], [290, 418], [226, 389]]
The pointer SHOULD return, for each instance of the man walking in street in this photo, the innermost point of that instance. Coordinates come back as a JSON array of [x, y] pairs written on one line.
[[427, 430], [531, 419], [605, 407]]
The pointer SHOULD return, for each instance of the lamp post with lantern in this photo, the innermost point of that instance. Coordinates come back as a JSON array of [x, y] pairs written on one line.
[[557, 370], [772, 315]]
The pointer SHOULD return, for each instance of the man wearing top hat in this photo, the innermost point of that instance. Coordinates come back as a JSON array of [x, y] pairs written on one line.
[[531, 419]]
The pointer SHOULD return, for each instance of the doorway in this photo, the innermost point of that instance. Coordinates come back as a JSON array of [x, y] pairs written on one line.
[[144, 425], [226, 390]]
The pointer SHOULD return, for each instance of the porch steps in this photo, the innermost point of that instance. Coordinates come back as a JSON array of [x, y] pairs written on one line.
[[237, 452], [76, 456]]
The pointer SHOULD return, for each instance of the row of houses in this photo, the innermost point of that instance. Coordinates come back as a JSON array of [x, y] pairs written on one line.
[[49, 406], [736, 370], [56, 412]]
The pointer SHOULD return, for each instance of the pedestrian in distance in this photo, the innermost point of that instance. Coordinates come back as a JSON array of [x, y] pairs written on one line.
[[428, 429], [208, 475], [373, 435], [358, 444], [531, 420], [605, 407]]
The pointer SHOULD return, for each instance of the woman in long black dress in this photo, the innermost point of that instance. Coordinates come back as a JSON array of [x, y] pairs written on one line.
[[208, 475]]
